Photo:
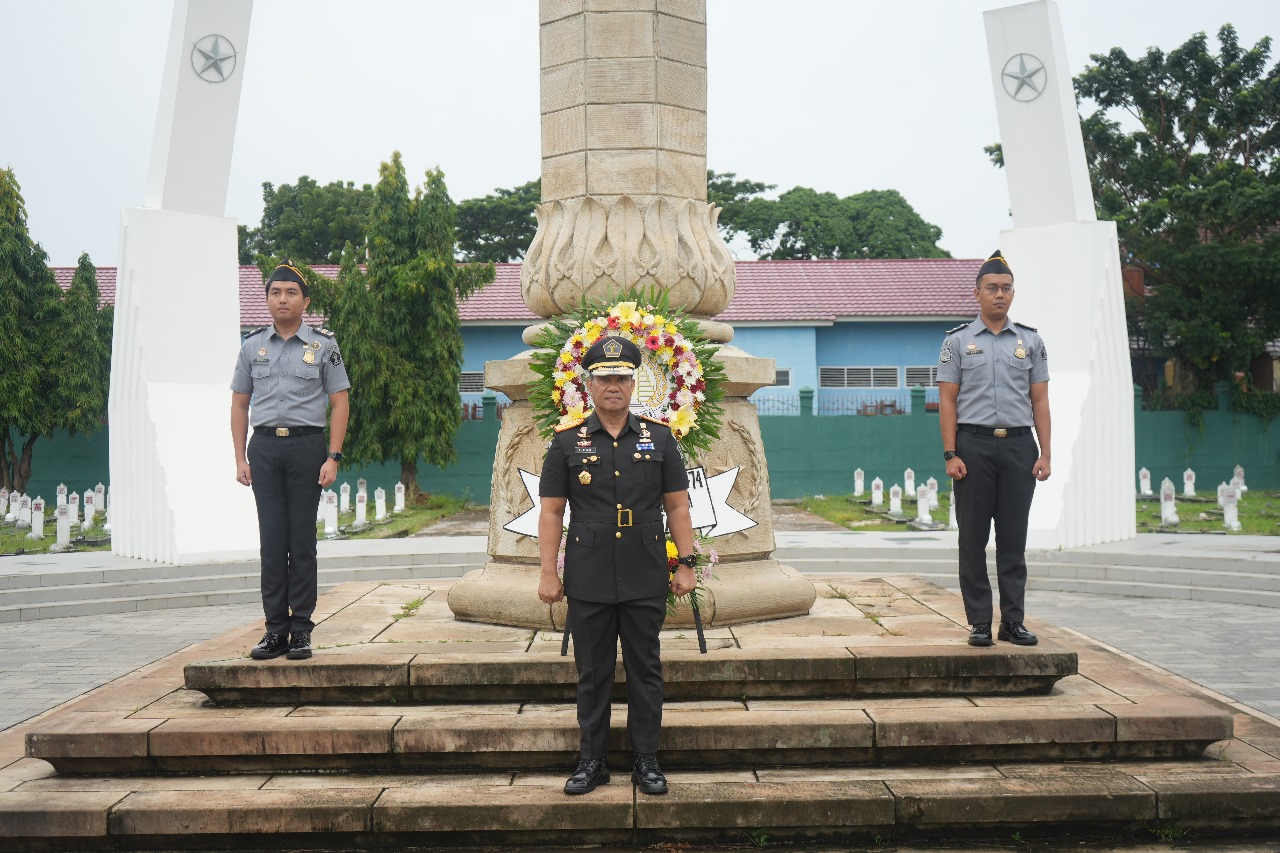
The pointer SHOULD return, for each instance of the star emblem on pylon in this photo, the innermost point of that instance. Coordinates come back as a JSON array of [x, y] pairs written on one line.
[[1024, 77], [213, 58]]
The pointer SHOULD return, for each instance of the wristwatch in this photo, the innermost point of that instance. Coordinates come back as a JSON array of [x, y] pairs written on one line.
[[690, 560], [948, 455], [335, 455]]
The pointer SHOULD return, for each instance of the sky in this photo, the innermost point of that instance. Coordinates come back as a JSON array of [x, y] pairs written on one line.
[[838, 95]]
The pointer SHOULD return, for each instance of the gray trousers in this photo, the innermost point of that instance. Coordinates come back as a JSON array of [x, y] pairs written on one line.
[[596, 629], [286, 488], [998, 487]]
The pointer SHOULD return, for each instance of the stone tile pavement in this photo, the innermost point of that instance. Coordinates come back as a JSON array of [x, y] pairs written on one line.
[[1229, 648]]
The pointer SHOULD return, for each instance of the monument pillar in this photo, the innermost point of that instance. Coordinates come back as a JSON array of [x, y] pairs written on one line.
[[169, 406], [1067, 268], [624, 189]]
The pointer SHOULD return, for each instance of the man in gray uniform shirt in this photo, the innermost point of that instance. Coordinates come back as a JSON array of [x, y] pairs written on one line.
[[288, 372], [993, 386]]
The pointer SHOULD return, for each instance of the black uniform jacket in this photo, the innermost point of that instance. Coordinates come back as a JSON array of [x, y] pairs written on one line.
[[616, 549]]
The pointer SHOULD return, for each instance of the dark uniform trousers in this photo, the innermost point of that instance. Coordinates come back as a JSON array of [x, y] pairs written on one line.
[[998, 486], [286, 488]]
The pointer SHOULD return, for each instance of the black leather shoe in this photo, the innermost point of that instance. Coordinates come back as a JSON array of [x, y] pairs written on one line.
[[980, 634], [647, 776], [272, 646], [1017, 633], [589, 774], [300, 646]]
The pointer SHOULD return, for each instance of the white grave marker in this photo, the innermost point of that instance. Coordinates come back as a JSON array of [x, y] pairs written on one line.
[[1144, 482], [106, 510], [922, 505], [330, 514], [24, 512], [877, 492], [1168, 504], [90, 509], [362, 508], [1239, 472], [1188, 483], [1237, 487], [909, 483], [344, 502], [1223, 488], [362, 485], [1230, 510], [73, 502], [11, 513], [379, 504], [4, 498], [64, 526], [399, 497], [37, 519], [932, 483], [859, 481], [895, 500], [951, 511], [62, 494]]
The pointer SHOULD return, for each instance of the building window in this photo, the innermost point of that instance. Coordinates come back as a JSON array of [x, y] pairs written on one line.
[[782, 377], [470, 383], [925, 377], [857, 377]]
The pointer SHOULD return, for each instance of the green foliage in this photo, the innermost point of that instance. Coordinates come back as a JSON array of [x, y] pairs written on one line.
[[307, 223], [398, 325], [1249, 400], [499, 227], [56, 349], [1168, 400], [1192, 180], [805, 224]]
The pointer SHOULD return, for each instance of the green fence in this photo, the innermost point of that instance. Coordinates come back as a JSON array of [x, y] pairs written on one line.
[[807, 454]]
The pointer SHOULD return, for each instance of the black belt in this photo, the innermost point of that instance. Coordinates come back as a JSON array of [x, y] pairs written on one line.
[[994, 432], [622, 518], [287, 432]]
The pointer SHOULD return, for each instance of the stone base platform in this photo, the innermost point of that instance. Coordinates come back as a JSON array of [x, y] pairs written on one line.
[[851, 768]]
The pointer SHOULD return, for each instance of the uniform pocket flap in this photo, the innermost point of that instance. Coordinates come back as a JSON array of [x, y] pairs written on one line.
[[968, 361], [651, 532], [261, 371], [309, 372], [1020, 363], [584, 536], [576, 461]]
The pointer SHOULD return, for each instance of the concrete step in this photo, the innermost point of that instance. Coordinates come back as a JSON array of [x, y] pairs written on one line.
[[433, 811], [410, 673], [712, 733]]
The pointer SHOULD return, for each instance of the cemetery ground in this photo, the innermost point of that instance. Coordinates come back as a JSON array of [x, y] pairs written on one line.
[[1259, 512]]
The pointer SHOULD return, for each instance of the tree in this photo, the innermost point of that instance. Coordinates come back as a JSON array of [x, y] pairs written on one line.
[[307, 223], [805, 224], [56, 350], [399, 327], [499, 227], [1192, 180], [731, 196]]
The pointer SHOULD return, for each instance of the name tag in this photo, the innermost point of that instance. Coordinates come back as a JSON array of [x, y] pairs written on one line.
[[262, 361], [644, 445], [586, 449]]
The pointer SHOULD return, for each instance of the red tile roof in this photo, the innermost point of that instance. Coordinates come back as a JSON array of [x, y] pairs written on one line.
[[767, 291]]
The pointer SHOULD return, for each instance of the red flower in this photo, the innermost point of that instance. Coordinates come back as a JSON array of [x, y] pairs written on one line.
[[653, 343], [678, 379], [674, 406], [612, 323], [700, 385], [668, 340]]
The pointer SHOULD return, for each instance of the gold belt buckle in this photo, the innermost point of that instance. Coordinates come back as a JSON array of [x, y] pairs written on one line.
[[627, 516], [282, 432], [1000, 433]]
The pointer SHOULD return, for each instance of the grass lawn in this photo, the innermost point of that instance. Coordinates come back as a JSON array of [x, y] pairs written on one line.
[[1259, 513], [15, 541]]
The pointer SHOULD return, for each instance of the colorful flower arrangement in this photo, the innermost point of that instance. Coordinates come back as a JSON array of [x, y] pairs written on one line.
[[669, 342]]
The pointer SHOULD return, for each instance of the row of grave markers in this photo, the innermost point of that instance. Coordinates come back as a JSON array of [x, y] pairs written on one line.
[[925, 495], [1229, 495], [27, 513], [332, 503]]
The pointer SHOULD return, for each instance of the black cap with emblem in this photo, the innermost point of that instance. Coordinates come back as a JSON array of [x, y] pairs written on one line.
[[288, 272], [995, 264], [611, 356]]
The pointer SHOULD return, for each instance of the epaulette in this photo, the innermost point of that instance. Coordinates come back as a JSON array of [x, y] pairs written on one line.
[[252, 332], [321, 330], [1025, 326], [571, 424], [956, 329], [654, 420]]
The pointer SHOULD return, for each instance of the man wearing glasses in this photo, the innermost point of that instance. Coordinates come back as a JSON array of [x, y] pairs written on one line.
[[993, 386]]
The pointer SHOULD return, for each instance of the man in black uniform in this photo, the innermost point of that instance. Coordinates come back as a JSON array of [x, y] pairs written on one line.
[[288, 371], [993, 385], [617, 472]]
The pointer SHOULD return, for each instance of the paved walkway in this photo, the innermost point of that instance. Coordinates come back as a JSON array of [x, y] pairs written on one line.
[[1232, 649]]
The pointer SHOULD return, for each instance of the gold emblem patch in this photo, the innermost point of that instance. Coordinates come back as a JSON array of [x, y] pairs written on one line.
[[612, 349], [1021, 351], [309, 357], [584, 478]]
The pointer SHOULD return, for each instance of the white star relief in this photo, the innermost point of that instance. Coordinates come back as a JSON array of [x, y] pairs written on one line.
[[215, 58], [1024, 76]]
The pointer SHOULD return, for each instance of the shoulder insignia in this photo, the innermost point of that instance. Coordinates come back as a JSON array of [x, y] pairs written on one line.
[[957, 328], [252, 332], [321, 330], [654, 420], [1025, 326], [570, 424]]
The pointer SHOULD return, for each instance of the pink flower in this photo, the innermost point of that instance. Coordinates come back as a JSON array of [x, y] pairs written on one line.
[[653, 342]]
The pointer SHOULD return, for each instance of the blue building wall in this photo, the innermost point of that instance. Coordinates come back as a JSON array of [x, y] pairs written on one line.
[[903, 344], [790, 347], [488, 343]]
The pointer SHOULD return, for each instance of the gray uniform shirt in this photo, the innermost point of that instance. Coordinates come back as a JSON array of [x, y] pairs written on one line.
[[290, 380], [995, 372]]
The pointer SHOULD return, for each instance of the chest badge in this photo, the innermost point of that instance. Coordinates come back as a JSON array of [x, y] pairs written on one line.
[[584, 477], [308, 357], [262, 352], [971, 349], [315, 345], [1021, 351], [582, 433]]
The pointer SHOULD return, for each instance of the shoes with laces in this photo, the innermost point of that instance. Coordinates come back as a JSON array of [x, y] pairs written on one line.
[[647, 776], [300, 646], [271, 646], [1017, 633], [590, 773], [980, 634]]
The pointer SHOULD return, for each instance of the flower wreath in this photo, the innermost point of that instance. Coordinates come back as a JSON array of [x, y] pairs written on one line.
[[679, 383]]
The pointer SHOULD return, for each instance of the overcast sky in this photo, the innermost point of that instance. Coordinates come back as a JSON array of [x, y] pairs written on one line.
[[838, 95]]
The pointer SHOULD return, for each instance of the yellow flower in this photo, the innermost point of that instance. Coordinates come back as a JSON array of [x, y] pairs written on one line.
[[672, 551], [683, 420], [671, 328], [626, 312], [573, 413]]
